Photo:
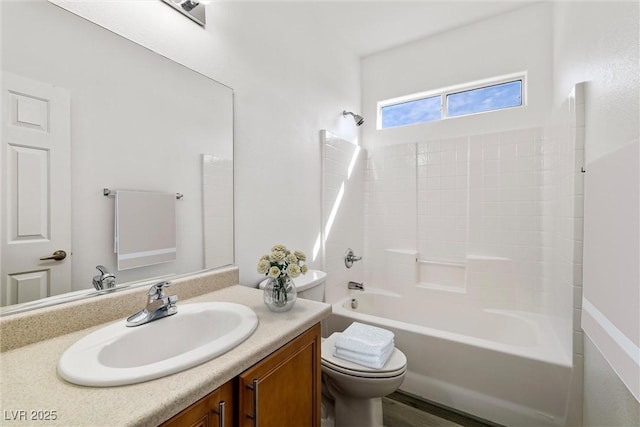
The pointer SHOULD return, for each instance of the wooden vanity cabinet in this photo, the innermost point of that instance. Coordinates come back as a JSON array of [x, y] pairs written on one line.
[[217, 409], [286, 386]]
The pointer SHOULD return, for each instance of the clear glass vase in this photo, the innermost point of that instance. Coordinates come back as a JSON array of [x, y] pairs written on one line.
[[280, 294]]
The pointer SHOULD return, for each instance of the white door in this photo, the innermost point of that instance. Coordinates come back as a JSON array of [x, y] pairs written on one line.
[[35, 190]]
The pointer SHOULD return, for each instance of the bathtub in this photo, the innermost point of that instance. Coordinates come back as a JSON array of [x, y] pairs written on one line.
[[503, 366]]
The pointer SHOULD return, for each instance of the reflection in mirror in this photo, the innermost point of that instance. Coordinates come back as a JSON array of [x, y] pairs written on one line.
[[88, 110]]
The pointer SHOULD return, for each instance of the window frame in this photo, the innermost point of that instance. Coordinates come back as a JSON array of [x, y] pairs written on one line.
[[450, 90]]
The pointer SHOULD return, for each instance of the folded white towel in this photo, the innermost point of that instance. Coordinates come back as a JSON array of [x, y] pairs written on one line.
[[355, 354], [364, 357], [364, 339], [375, 362]]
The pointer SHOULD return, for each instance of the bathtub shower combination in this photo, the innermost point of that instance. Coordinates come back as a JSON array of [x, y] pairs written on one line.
[[501, 365], [470, 258]]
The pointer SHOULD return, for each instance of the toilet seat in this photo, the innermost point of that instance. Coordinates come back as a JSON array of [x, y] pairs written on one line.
[[395, 366]]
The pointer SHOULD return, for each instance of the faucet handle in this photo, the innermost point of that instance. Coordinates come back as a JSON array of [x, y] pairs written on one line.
[[102, 269], [350, 257], [104, 273], [157, 290], [104, 280]]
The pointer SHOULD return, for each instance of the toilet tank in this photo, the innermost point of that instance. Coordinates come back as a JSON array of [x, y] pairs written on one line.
[[309, 286]]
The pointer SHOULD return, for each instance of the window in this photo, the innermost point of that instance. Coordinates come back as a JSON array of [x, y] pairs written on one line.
[[479, 97], [488, 98], [410, 112]]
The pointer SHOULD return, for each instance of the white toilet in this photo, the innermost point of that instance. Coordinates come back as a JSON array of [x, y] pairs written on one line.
[[356, 390]]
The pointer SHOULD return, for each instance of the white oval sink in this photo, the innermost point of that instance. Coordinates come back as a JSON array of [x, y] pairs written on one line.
[[119, 355]]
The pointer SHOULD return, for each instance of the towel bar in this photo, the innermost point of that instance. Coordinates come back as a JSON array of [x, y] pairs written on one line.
[[108, 193]]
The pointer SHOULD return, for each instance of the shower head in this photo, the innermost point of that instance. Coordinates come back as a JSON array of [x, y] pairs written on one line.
[[357, 118]]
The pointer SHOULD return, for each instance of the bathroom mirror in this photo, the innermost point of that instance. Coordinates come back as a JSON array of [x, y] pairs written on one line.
[[135, 121]]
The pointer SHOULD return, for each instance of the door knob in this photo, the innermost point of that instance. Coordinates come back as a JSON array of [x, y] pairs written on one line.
[[58, 255]]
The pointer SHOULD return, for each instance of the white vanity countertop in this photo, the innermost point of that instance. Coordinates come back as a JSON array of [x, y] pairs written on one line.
[[32, 390]]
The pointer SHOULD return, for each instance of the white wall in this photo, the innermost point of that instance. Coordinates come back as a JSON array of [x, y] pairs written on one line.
[[513, 42], [597, 42], [288, 84]]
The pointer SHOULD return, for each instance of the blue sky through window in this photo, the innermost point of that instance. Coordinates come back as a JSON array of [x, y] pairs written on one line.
[[407, 113], [489, 98], [476, 100]]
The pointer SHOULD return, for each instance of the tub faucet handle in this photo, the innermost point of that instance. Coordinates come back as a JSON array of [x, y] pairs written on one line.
[[350, 258]]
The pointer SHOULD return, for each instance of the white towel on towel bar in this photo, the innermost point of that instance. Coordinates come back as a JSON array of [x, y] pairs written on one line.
[[145, 228], [366, 339]]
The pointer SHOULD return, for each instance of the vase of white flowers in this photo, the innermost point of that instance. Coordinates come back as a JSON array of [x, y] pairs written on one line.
[[281, 266]]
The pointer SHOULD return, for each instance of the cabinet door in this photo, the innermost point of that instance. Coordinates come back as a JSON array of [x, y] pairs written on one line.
[[222, 409], [214, 410], [284, 388]]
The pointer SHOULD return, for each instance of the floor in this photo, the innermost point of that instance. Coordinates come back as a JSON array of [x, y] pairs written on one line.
[[404, 410]]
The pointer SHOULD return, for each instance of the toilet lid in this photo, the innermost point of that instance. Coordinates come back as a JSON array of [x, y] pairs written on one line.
[[396, 364]]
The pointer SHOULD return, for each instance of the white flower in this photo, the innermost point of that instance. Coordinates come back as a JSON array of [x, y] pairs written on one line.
[[282, 262], [293, 270], [277, 256], [274, 272], [263, 266], [279, 248]]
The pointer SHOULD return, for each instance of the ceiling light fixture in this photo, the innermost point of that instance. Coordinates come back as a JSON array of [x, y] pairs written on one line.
[[192, 9]]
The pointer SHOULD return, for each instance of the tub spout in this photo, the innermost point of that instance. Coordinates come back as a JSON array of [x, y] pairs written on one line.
[[357, 286]]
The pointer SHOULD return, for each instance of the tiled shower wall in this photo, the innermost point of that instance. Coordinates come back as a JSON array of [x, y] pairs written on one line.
[[564, 217], [480, 195], [389, 209], [443, 203], [342, 212], [506, 183], [217, 217], [512, 200]]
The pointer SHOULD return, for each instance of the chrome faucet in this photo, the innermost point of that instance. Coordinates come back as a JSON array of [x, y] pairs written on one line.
[[350, 258], [104, 280], [356, 286], [158, 306]]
